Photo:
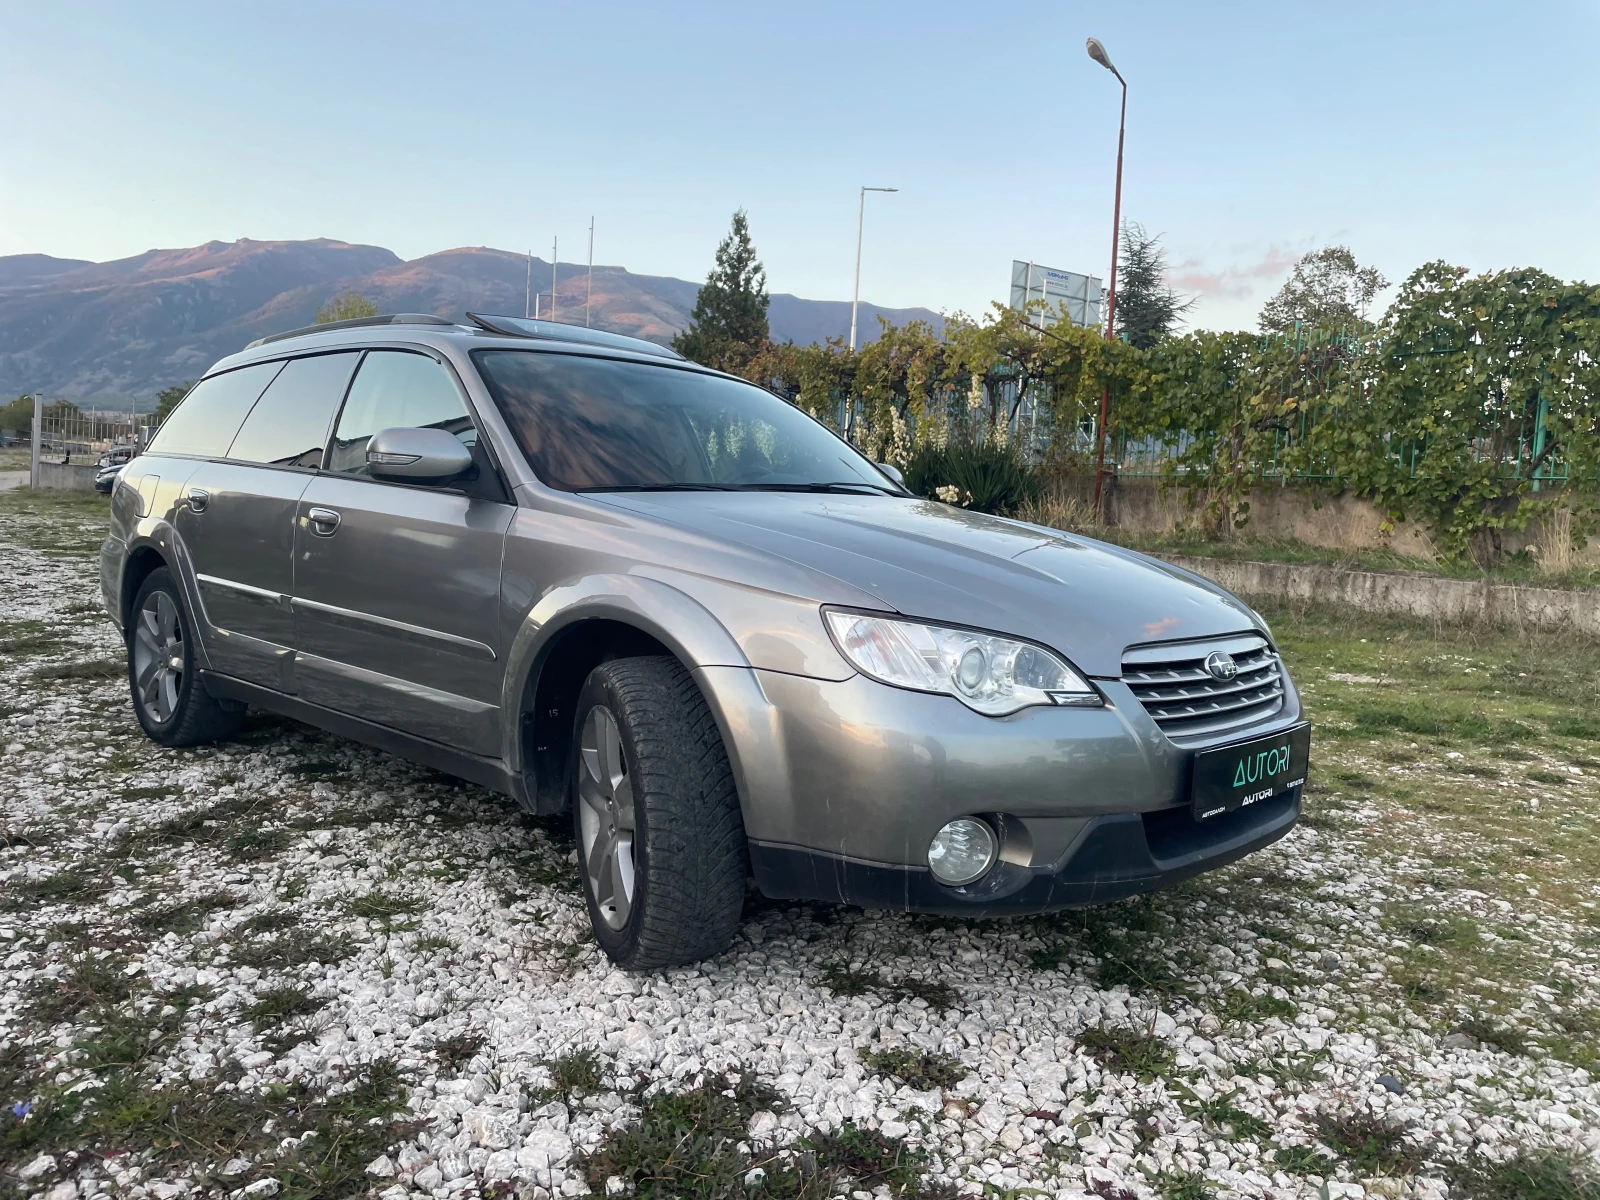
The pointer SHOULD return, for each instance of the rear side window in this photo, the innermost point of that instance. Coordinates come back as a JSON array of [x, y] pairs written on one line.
[[212, 412], [394, 389], [288, 427]]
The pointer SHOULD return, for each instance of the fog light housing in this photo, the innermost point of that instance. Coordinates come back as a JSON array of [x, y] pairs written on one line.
[[962, 851]]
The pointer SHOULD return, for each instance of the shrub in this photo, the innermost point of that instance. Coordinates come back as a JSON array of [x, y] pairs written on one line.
[[988, 478]]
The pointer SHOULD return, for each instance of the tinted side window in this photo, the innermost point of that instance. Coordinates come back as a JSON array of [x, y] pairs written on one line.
[[288, 427], [211, 413], [396, 389]]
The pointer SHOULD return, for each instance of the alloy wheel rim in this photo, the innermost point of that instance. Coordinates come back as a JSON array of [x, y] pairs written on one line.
[[158, 657], [606, 818]]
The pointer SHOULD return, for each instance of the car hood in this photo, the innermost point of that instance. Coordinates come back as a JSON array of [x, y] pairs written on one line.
[[1087, 599]]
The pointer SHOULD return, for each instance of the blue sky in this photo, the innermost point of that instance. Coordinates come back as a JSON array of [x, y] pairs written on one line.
[[1410, 131]]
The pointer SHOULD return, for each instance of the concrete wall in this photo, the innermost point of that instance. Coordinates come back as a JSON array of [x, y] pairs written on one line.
[[67, 477], [1299, 512], [1341, 522], [1406, 593]]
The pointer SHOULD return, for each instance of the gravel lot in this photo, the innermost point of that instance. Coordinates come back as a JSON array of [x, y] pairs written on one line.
[[292, 965]]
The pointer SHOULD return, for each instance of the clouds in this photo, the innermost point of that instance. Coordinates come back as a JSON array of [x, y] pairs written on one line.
[[1237, 282]]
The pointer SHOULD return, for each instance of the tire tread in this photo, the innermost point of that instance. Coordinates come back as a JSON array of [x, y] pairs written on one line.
[[698, 861]]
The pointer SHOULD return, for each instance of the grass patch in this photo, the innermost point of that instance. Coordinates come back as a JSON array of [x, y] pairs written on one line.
[[1530, 1175], [383, 906], [1577, 1038], [1124, 938], [847, 982], [1492, 1033], [256, 844], [277, 1005], [63, 887], [922, 1069], [1129, 1051], [1220, 1113], [576, 1073], [184, 916], [687, 1146], [1183, 1185], [432, 943], [1242, 1006], [1585, 728], [457, 1050], [1304, 1160], [1539, 775], [1367, 1143], [94, 668], [293, 948], [1424, 927]]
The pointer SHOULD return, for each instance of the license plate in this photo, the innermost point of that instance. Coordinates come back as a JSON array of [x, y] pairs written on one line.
[[1230, 777]]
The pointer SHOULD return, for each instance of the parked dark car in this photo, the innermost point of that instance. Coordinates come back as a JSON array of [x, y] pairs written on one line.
[[106, 477]]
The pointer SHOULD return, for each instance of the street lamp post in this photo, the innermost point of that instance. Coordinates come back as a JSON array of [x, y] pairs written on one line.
[[1098, 53], [855, 299]]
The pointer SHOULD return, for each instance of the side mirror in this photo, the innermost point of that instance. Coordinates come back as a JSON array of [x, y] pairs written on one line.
[[893, 473], [416, 455]]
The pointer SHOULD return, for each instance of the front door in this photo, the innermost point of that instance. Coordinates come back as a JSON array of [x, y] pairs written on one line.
[[397, 587]]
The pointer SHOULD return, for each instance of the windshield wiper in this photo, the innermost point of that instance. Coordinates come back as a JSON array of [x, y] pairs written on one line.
[[657, 487], [840, 488]]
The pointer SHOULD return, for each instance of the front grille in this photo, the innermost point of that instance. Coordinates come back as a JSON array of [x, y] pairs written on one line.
[[1171, 681]]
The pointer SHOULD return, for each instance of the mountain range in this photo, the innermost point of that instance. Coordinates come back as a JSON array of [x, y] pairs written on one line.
[[124, 329]]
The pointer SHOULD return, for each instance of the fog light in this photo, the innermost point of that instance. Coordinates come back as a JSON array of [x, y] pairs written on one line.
[[962, 851]]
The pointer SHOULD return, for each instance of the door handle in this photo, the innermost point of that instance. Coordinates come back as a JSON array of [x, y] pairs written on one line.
[[323, 521], [198, 499]]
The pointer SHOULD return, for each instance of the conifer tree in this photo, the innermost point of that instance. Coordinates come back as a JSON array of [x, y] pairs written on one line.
[[729, 324]]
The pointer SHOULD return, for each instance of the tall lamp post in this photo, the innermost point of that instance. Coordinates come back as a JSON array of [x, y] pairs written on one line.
[[855, 299], [1098, 53]]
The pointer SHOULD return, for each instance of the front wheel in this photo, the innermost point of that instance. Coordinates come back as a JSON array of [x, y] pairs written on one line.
[[173, 707], [661, 843]]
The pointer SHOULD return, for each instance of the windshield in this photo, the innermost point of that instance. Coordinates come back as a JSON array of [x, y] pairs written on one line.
[[595, 424]]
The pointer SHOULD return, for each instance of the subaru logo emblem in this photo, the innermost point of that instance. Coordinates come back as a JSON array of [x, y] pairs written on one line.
[[1220, 666]]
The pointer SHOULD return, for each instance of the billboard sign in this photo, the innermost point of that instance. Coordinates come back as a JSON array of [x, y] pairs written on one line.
[[1063, 292]]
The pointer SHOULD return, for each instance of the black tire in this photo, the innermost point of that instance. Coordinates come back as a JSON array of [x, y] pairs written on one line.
[[688, 853], [172, 705]]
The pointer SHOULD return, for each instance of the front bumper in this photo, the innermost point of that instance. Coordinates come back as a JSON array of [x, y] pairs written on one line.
[[1116, 856], [844, 783]]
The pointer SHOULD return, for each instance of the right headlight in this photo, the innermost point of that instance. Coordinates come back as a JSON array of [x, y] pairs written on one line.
[[990, 674]]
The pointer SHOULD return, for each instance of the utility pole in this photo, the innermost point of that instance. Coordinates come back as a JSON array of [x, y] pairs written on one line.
[[855, 297], [1098, 53], [527, 300], [554, 242], [38, 436], [588, 296]]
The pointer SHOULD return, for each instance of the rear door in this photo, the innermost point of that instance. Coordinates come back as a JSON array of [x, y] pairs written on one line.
[[397, 586], [236, 515]]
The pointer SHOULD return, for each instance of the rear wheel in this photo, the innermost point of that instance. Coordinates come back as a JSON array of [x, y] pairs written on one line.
[[661, 843], [172, 706]]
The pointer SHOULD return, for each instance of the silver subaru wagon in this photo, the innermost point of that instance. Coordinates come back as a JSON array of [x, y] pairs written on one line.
[[576, 569]]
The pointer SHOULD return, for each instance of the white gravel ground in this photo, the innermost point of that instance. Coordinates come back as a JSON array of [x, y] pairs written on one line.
[[472, 930]]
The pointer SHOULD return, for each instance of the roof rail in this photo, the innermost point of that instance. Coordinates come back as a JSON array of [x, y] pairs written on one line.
[[559, 331], [354, 323]]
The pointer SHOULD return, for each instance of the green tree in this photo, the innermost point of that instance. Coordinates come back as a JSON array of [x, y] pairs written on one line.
[[346, 306], [18, 414], [1147, 309], [729, 325], [167, 399], [1328, 288]]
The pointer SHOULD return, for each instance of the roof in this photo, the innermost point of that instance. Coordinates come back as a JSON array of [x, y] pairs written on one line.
[[514, 327]]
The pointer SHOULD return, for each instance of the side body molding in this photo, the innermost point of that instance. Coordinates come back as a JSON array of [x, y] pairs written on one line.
[[672, 617]]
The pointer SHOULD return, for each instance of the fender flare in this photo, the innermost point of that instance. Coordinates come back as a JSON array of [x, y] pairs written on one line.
[[672, 617], [162, 538]]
